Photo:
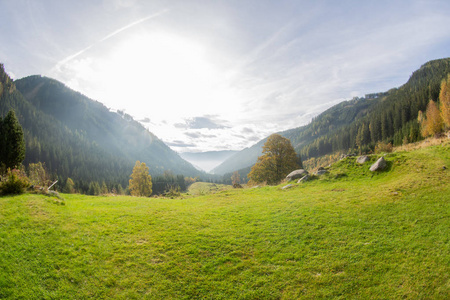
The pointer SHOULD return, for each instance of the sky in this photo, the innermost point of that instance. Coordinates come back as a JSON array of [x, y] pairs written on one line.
[[222, 75]]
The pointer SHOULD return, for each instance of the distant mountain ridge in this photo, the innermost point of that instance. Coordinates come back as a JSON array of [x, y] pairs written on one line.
[[389, 117], [207, 160], [82, 139]]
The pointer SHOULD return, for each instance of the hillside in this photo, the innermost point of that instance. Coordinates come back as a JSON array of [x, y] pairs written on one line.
[[351, 234], [80, 138], [361, 122]]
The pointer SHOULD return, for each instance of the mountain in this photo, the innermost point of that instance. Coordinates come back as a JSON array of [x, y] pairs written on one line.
[[207, 160], [359, 124], [335, 117], [80, 138]]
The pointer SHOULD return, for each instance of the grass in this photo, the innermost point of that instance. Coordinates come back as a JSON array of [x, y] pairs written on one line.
[[204, 188], [350, 234]]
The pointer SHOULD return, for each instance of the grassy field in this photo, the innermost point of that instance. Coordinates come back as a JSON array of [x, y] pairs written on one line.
[[204, 188], [350, 234]]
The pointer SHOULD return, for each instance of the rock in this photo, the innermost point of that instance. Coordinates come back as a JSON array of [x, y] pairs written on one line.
[[379, 165], [287, 186], [362, 159], [296, 174], [344, 156], [321, 172], [303, 179]]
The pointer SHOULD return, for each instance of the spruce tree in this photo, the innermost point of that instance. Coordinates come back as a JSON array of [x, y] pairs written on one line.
[[12, 142]]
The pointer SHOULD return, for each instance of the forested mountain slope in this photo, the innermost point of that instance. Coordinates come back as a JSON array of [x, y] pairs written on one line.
[[335, 117], [80, 138], [358, 124]]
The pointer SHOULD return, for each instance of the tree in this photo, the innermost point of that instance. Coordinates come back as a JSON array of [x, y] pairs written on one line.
[[120, 190], [278, 160], [432, 123], [236, 179], [37, 174], [104, 188], [300, 161], [444, 99], [94, 188], [69, 187], [12, 142], [140, 180]]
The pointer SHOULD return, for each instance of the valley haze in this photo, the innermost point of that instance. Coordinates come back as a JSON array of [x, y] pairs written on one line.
[[207, 161], [222, 75]]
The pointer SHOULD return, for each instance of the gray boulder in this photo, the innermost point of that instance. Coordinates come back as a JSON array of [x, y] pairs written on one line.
[[303, 179], [296, 174], [287, 186], [379, 165], [362, 159]]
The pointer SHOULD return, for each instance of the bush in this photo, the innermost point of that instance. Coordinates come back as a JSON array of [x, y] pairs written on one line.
[[173, 191], [37, 174], [383, 147], [14, 182]]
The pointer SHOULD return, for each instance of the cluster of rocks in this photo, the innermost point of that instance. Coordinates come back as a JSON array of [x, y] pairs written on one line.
[[297, 174], [379, 165], [302, 175]]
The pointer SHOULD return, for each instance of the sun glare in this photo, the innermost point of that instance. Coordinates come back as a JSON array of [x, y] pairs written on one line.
[[160, 70]]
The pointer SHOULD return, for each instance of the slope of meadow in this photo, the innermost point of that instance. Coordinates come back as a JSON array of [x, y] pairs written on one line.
[[349, 234]]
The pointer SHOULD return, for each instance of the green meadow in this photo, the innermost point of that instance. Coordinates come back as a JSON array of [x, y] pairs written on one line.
[[349, 234]]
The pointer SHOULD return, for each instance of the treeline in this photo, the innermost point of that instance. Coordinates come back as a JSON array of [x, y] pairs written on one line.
[[392, 118]]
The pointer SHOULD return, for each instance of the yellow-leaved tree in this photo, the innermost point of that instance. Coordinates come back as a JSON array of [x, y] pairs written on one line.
[[278, 160], [140, 183], [444, 99], [432, 123]]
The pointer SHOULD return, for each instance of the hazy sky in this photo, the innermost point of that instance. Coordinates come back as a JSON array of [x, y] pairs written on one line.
[[216, 75]]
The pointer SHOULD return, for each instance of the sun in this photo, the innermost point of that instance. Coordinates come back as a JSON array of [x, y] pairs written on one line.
[[160, 69], [160, 77]]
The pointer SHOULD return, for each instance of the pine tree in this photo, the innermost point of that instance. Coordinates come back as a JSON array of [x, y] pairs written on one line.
[[120, 190], [12, 142], [140, 181], [104, 188], [94, 188], [69, 187]]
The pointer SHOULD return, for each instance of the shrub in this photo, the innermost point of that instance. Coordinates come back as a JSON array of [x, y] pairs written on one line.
[[383, 147], [14, 182], [37, 174], [173, 191]]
